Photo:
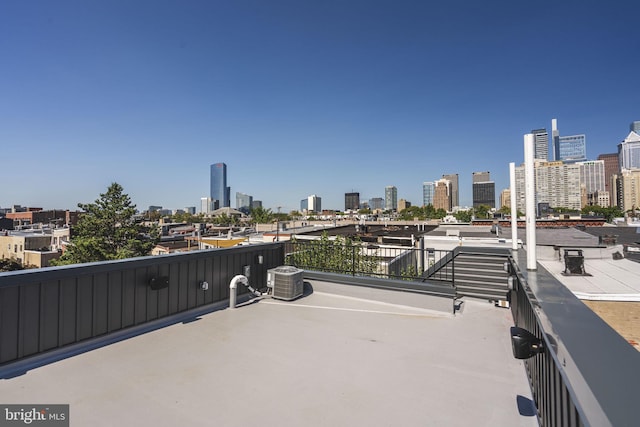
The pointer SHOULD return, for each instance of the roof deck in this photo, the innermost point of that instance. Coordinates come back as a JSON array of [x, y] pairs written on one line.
[[324, 359]]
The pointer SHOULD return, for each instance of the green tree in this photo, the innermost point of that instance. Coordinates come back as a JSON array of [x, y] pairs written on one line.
[[608, 213], [339, 255], [464, 216], [106, 230], [260, 215]]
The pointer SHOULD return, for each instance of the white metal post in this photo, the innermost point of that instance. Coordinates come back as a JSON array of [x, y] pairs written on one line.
[[514, 206], [530, 200]]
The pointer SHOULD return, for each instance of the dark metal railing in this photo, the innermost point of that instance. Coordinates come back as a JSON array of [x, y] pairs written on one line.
[[50, 308], [361, 259], [586, 374]]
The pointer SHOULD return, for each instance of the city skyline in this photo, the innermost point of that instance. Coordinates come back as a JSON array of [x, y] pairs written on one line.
[[298, 99]]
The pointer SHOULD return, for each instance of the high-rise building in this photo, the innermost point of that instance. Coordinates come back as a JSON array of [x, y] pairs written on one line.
[[558, 184], [541, 139], [592, 177], [555, 136], [454, 189], [484, 190], [428, 189], [390, 198], [629, 152], [376, 203], [635, 127], [312, 203], [505, 198], [351, 201], [243, 202], [220, 193], [256, 204], [207, 205], [572, 148], [611, 167], [630, 194], [442, 195], [191, 210]]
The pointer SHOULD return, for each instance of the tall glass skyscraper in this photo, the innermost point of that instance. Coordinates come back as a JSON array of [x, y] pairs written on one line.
[[572, 148], [428, 191], [220, 193], [390, 198]]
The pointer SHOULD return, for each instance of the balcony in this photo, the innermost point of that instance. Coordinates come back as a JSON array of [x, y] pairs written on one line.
[[354, 350]]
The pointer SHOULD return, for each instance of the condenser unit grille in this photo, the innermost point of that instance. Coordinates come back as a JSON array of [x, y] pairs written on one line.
[[286, 281]]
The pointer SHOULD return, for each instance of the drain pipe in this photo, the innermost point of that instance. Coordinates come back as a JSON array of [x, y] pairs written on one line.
[[530, 195], [233, 289], [514, 206]]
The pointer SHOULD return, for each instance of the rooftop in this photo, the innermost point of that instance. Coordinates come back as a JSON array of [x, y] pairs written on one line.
[[324, 359]]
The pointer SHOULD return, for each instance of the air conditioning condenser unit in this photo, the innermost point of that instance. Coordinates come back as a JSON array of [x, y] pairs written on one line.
[[286, 282]]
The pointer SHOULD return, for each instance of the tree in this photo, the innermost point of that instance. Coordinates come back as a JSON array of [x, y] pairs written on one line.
[[106, 230], [259, 215]]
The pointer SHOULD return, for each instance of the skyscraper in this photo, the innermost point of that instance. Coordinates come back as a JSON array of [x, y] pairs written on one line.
[[312, 203], [442, 195], [454, 194], [220, 193], [611, 167], [572, 148], [555, 135], [484, 190], [390, 197], [351, 201], [428, 190], [541, 138], [376, 203], [629, 152], [243, 202]]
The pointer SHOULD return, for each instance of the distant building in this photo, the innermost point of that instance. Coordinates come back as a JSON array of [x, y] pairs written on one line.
[[555, 136], [541, 141], [256, 204], [592, 177], [220, 193], [630, 197], [428, 190], [390, 197], [54, 217], [376, 203], [611, 167], [454, 193], [154, 208], [573, 148], [403, 204], [28, 248], [243, 202], [480, 177], [351, 201], [484, 193], [207, 205], [505, 198], [558, 184], [635, 127], [629, 152], [312, 203], [442, 195], [190, 210]]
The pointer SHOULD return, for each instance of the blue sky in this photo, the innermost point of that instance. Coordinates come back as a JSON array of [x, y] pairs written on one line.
[[299, 97]]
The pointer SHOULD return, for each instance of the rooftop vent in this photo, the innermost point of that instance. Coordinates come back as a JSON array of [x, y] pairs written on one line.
[[286, 282]]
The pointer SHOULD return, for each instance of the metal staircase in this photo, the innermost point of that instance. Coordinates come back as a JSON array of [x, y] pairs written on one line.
[[476, 272]]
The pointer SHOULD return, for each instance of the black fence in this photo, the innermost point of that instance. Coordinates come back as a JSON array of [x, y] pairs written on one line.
[[363, 259], [586, 374], [50, 308]]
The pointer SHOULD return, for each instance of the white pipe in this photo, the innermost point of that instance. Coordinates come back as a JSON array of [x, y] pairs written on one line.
[[530, 200], [233, 286], [514, 206]]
